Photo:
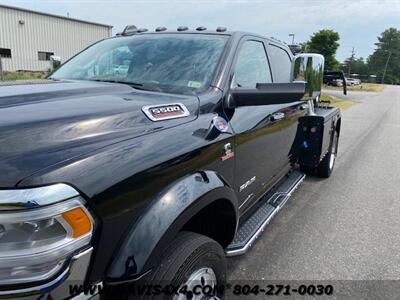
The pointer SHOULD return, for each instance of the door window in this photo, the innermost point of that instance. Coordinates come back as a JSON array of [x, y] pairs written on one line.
[[252, 65], [280, 63]]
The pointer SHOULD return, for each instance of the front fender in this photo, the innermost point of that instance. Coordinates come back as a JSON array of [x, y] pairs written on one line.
[[163, 219]]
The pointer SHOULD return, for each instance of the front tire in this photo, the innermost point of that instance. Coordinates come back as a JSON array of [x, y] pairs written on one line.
[[191, 260]]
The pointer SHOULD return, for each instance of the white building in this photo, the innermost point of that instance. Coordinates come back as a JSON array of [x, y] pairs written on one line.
[[28, 38]]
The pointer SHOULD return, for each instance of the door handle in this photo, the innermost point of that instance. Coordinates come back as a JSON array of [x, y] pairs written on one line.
[[277, 116]]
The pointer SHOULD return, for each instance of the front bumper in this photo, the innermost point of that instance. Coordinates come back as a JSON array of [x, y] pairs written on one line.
[[62, 286]]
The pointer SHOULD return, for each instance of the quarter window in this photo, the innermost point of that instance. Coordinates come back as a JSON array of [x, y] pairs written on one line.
[[5, 53], [280, 63], [252, 65], [45, 55]]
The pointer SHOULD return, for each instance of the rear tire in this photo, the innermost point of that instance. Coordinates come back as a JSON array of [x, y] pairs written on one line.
[[190, 257], [325, 167]]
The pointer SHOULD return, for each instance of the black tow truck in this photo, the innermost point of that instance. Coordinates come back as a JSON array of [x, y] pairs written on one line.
[[150, 157]]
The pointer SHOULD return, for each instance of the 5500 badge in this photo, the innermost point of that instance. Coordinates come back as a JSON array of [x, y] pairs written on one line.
[[165, 111]]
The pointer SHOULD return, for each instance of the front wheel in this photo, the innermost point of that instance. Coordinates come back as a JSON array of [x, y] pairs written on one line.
[[192, 260]]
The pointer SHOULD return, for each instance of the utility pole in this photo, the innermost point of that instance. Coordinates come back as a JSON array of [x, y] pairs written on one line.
[[351, 61], [386, 65], [292, 35]]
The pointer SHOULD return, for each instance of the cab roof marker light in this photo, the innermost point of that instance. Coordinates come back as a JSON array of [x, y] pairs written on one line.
[[129, 30], [183, 28], [201, 28], [221, 29], [162, 28]]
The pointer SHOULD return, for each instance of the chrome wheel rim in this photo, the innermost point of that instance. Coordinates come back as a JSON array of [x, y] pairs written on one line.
[[333, 151], [204, 277]]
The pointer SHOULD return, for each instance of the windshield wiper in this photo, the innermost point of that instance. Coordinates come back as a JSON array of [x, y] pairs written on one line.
[[117, 81], [135, 85]]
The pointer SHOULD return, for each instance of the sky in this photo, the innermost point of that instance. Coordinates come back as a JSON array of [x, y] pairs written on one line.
[[358, 22]]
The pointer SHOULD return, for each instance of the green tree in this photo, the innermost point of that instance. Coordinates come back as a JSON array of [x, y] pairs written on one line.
[[353, 65], [386, 56], [325, 42], [360, 67]]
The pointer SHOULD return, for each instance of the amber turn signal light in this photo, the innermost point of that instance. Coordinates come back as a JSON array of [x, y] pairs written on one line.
[[79, 221]]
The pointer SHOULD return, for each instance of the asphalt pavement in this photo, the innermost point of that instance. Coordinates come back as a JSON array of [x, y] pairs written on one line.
[[346, 227]]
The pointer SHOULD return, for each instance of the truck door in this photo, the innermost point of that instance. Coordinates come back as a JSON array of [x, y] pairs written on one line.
[[261, 141], [281, 64]]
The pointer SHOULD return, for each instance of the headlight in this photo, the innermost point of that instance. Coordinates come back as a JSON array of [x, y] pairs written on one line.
[[36, 242]]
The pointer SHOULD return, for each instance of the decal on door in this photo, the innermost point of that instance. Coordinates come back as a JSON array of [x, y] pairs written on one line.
[[165, 111], [228, 152]]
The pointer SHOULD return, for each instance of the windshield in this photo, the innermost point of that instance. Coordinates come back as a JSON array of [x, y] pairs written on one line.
[[164, 62]]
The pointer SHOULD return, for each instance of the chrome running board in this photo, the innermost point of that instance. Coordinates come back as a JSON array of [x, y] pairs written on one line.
[[267, 208]]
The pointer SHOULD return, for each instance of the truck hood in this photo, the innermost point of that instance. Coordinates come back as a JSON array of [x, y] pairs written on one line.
[[47, 123]]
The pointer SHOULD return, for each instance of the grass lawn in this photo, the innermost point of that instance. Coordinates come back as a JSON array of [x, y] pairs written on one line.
[[364, 87], [342, 104], [23, 75]]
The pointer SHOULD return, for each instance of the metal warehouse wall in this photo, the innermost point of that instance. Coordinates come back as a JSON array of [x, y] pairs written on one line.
[[65, 37]]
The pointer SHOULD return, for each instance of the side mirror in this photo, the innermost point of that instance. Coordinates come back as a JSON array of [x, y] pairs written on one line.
[[309, 68], [266, 94]]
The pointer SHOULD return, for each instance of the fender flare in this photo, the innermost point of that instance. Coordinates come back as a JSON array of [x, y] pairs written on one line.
[[163, 219]]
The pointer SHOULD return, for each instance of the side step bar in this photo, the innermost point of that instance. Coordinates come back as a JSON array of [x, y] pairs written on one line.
[[268, 206]]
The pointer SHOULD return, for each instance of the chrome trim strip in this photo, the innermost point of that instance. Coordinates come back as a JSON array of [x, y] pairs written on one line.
[[262, 227], [29, 198], [245, 200]]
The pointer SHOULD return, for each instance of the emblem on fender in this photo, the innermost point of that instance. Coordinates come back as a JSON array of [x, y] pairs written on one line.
[[247, 183], [165, 111]]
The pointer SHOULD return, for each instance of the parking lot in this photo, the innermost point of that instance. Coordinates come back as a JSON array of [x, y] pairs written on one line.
[[347, 227]]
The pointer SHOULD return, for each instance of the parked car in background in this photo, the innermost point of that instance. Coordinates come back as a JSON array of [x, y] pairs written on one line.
[[337, 82], [353, 81], [332, 80]]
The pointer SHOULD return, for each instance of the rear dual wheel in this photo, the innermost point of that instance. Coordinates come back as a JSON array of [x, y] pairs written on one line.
[[325, 167]]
